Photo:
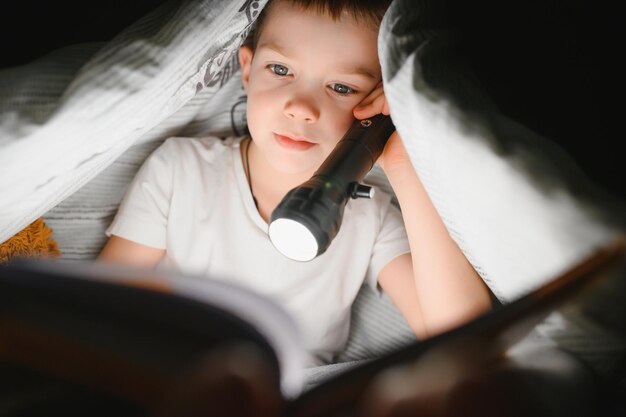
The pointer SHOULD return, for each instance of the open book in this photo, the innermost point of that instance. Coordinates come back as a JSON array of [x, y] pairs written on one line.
[[133, 334]]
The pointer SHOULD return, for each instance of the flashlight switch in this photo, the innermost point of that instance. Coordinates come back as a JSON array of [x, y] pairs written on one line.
[[361, 191]]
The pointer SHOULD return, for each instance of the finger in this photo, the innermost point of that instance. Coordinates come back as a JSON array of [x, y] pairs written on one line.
[[373, 107], [368, 110], [370, 97], [370, 100]]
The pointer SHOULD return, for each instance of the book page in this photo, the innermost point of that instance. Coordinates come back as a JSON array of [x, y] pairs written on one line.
[[267, 317]]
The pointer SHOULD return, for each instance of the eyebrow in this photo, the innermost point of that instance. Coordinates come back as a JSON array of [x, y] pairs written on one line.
[[274, 46], [357, 71], [343, 69]]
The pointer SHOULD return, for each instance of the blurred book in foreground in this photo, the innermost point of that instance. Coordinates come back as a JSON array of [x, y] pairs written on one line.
[[156, 341]]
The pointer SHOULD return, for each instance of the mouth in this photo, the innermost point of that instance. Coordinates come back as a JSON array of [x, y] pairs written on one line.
[[296, 144]]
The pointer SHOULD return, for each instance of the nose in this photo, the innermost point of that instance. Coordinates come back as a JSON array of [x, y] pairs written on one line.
[[302, 108]]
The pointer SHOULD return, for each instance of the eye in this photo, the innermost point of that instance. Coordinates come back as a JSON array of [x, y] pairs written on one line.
[[278, 69], [341, 89]]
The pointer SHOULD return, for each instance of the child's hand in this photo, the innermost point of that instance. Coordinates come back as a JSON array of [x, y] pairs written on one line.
[[394, 158], [373, 104]]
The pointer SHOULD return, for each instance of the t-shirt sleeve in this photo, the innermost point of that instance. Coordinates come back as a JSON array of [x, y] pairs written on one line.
[[391, 242], [143, 212]]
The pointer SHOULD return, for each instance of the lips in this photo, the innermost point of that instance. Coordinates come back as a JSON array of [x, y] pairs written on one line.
[[296, 144]]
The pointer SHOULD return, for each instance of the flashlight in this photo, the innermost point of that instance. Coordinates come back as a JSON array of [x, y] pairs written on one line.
[[308, 218]]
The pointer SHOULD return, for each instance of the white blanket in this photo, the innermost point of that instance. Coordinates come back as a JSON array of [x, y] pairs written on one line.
[[61, 127]]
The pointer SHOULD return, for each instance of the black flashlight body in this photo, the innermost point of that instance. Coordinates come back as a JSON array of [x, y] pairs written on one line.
[[318, 204]]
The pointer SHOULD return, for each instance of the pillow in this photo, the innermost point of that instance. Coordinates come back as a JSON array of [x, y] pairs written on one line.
[[514, 202], [104, 98]]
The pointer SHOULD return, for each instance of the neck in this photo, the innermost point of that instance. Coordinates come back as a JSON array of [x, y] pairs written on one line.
[[268, 185]]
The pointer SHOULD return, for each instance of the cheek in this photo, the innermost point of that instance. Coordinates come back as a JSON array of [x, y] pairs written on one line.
[[340, 121], [255, 94], [259, 106], [263, 94], [337, 126]]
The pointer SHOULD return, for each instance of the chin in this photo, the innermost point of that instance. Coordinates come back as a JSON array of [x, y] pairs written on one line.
[[294, 166], [295, 170]]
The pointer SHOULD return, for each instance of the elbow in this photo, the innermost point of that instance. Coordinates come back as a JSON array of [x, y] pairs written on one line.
[[474, 308]]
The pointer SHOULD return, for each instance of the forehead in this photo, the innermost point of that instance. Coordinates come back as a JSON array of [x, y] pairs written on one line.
[[307, 33]]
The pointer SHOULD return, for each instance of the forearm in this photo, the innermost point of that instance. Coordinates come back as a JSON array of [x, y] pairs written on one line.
[[127, 252], [449, 290]]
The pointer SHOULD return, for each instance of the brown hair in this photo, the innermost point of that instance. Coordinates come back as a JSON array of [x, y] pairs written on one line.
[[370, 12]]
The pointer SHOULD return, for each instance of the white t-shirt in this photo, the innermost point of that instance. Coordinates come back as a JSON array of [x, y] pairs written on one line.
[[191, 197]]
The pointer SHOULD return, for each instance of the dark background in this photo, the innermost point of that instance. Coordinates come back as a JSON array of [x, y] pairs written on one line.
[[552, 65]]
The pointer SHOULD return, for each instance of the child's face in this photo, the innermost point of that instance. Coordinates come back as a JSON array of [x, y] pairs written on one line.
[[307, 75]]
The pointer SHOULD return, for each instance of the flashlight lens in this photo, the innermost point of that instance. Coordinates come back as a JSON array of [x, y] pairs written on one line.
[[293, 239]]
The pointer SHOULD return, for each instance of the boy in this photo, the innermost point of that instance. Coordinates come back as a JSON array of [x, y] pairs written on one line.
[[202, 205]]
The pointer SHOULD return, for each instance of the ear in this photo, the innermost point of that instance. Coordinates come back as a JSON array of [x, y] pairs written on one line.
[[245, 61]]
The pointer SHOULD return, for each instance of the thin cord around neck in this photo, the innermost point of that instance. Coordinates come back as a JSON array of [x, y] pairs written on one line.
[[249, 174]]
